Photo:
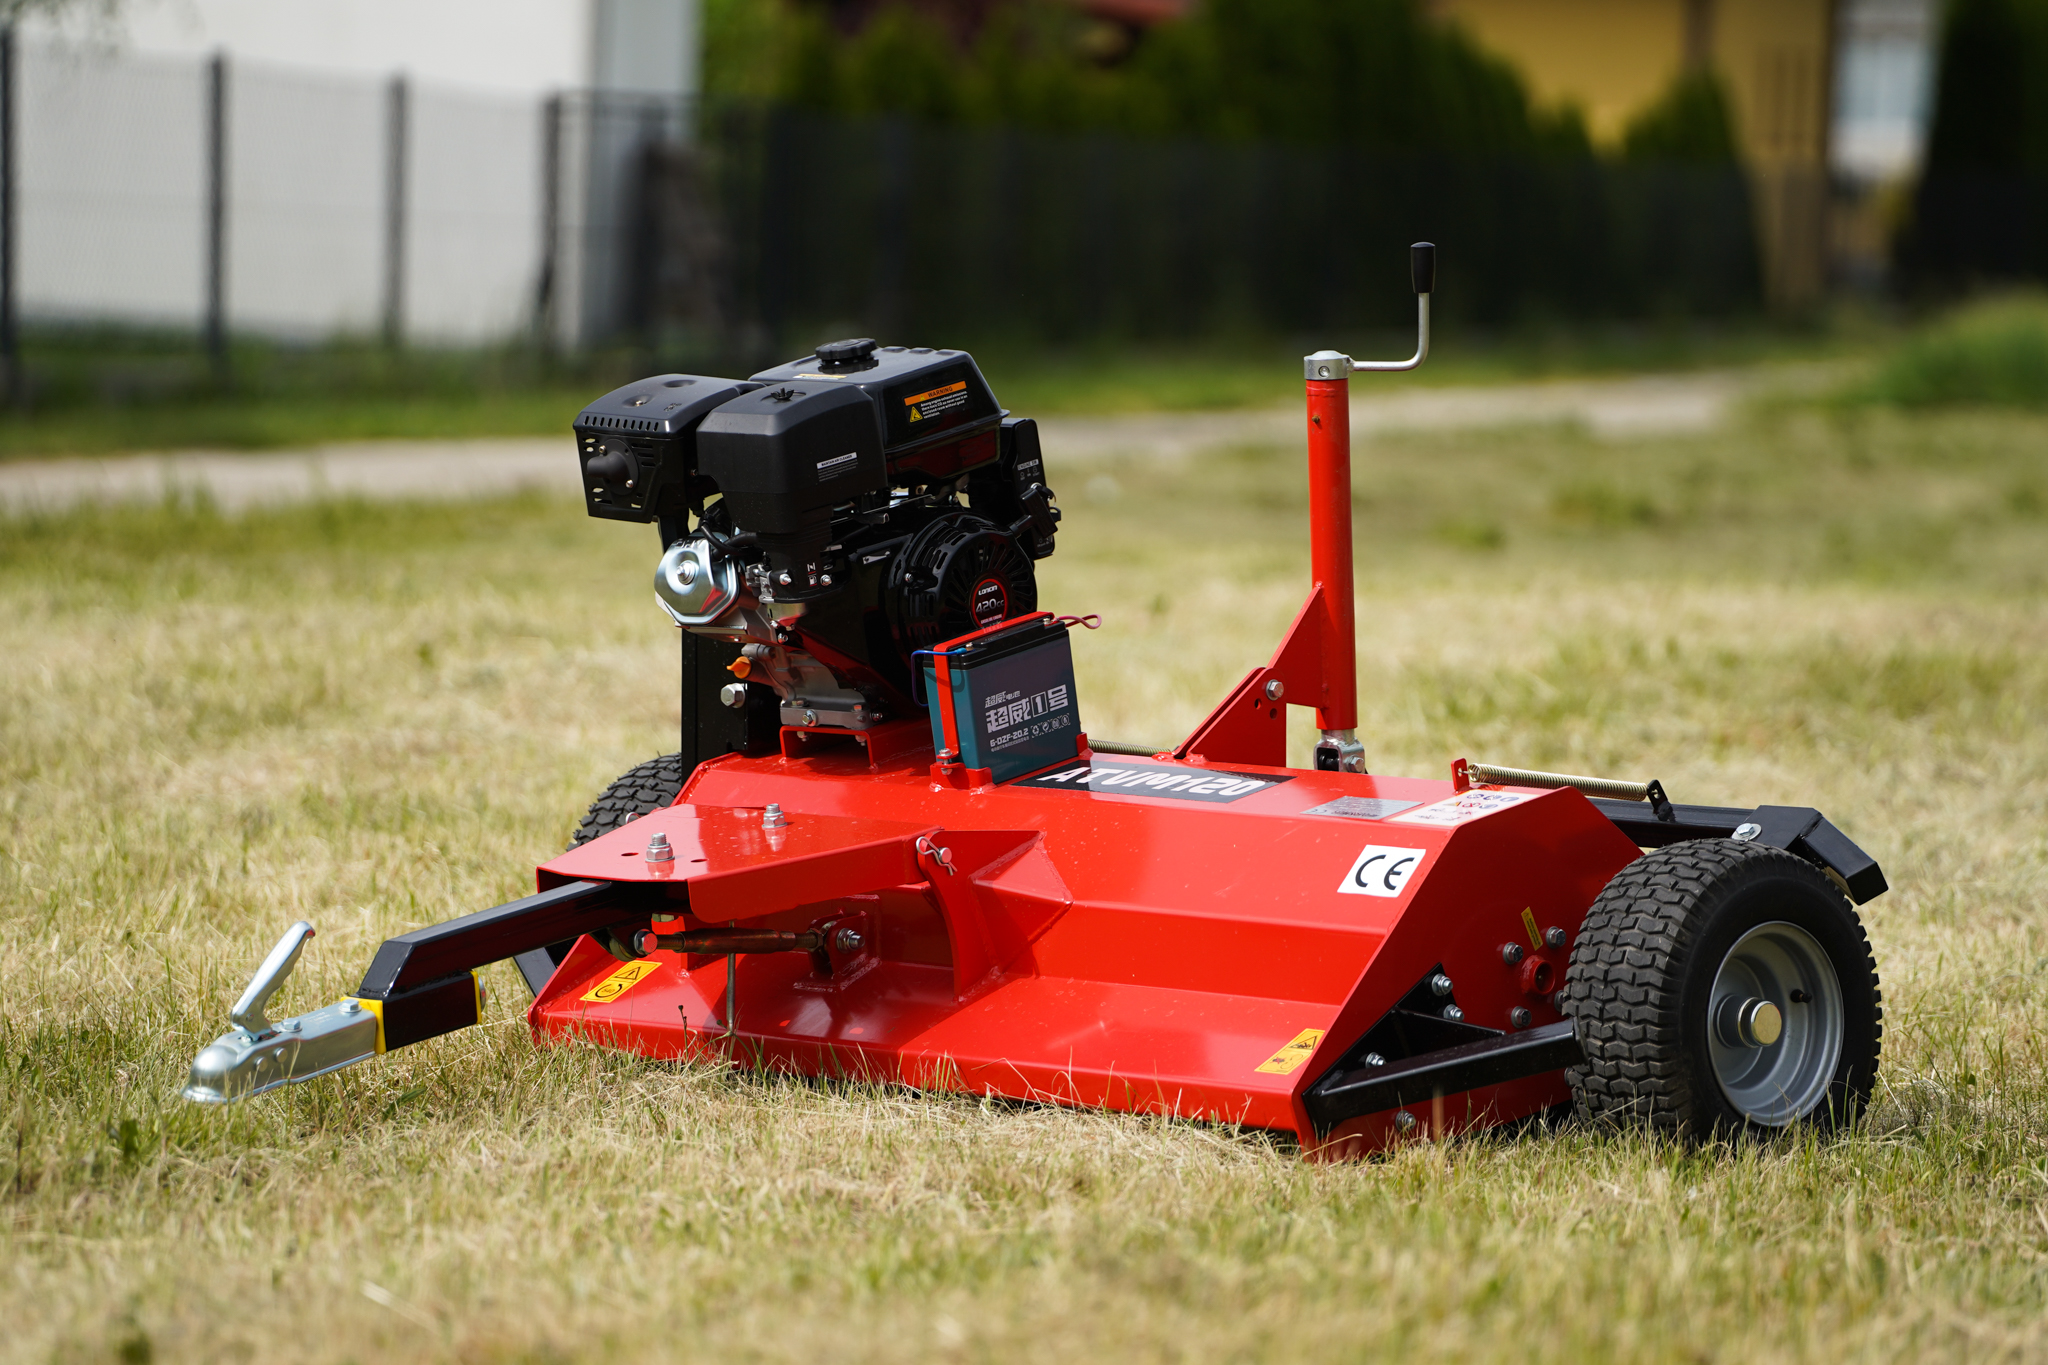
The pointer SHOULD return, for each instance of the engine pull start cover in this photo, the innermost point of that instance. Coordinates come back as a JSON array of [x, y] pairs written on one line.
[[1002, 698]]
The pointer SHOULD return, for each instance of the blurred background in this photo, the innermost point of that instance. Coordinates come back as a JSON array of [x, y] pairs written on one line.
[[251, 218]]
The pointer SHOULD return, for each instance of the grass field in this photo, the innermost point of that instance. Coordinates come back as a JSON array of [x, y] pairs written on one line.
[[377, 717], [98, 393]]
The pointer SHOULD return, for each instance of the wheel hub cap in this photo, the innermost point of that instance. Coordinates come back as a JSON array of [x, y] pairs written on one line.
[[1776, 1021]]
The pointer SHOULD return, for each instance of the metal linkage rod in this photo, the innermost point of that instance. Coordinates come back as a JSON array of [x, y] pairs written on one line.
[[1591, 786]]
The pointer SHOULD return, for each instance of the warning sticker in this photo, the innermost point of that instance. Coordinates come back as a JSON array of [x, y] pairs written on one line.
[[1381, 871], [1464, 806], [619, 982], [1289, 1058], [929, 404], [1362, 807]]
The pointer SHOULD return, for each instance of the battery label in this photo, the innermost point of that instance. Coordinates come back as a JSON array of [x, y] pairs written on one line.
[[1154, 779], [932, 402]]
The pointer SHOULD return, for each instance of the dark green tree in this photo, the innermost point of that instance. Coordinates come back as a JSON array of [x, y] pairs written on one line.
[[1689, 122]]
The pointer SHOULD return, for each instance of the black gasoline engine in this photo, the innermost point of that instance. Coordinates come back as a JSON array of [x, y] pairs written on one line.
[[820, 522]]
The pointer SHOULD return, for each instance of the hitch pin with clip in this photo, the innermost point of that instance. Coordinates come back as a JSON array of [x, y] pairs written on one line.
[[258, 1055], [937, 853]]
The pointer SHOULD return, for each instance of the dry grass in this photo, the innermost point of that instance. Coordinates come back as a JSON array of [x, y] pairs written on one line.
[[378, 717]]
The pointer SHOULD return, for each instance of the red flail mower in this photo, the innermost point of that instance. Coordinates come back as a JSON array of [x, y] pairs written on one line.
[[887, 850]]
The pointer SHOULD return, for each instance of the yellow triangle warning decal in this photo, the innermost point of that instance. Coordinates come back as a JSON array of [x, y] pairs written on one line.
[[1289, 1058]]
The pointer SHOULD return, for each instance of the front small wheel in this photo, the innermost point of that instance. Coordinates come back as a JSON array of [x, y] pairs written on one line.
[[1720, 988]]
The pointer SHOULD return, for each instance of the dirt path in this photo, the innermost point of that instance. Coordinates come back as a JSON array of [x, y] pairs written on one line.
[[1610, 408]]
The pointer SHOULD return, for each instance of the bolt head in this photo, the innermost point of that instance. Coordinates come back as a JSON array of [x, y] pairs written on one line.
[[1374, 1059], [810, 717], [1554, 936], [733, 695], [1440, 983], [1519, 1017], [783, 578], [1511, 954], [849, 941], [1453, 1013], [1275, 689], [1747, 831], [1557, 1000], [1404, 1120]]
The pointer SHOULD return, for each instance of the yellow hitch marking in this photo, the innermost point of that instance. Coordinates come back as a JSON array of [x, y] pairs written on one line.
[[619, 982], [1289, 1059], [1529, 923]]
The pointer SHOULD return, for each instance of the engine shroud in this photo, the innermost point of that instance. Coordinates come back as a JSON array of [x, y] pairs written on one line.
[[832, 515]]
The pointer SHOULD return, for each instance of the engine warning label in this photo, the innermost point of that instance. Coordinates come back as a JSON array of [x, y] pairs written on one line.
[[923, 407], [1154, 779], [1288, 1059], [619, 982]]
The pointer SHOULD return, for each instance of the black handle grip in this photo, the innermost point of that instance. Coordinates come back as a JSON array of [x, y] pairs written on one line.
[[1422, 266]]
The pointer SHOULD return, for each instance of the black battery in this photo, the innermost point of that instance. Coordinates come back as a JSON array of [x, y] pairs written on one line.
[[1003, 698]]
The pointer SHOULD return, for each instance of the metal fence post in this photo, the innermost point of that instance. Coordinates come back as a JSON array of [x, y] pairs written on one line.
[[217, 215], [550, 221], [10, 352], [395, 140]]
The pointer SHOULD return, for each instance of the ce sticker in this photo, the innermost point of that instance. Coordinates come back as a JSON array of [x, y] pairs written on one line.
[[1381, 871]]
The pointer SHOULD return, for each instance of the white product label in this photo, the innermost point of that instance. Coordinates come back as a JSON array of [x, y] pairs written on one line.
[[1381, 871]]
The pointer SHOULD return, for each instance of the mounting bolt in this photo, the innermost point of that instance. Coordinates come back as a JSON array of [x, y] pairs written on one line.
[[1374, 1059], [1404, 1120], [658, 850], [351, 1007], [290, 1026], [1519, 1017], [1275, 689], [783, 578], [1511, 954], [810, 717], [1554, 936], [772, 818], [733, 695], [1557, 1000], [1746, 831], [826, 579], [1453, 1013], [1440, 983], [849, 941]]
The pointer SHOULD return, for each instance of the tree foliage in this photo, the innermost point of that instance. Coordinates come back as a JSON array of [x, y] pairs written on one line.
[[1376, 74], [1689, 122], [1991, 101]]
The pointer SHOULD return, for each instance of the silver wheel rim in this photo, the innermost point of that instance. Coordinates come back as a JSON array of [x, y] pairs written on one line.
[[1775, 1081]]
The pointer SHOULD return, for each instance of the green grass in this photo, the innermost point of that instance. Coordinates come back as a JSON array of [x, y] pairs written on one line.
[[98, 393], [1992, 353], [380, 716]]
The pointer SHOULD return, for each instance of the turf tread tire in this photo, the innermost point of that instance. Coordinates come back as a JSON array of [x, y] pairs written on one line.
[[1628, 976], [650, 786]]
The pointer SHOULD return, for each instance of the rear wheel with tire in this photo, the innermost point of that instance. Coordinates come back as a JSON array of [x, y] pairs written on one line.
[[1719, 988], [647, 787]]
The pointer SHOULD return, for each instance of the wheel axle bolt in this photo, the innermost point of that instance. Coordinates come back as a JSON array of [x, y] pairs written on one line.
[[1511, 954], [1519, 1017], [1440, 983], [1554, 936]]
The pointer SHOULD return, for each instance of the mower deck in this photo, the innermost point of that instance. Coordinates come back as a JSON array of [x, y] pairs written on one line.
[[1207, 953]]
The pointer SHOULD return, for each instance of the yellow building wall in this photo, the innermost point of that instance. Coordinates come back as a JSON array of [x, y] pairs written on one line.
[[1775, 57], [1609, 57], [1613, 57]]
